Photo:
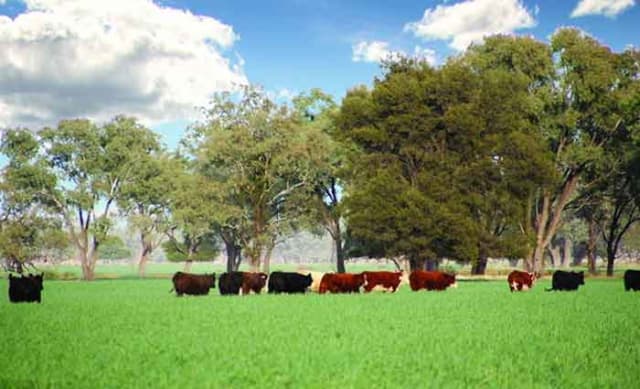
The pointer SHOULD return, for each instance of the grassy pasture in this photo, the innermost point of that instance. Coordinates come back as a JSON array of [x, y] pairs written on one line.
[[134, 333]]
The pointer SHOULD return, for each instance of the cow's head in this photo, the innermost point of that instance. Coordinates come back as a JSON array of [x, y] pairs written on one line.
[[580, 277], [533, 278], [308, 280], [212, 280]]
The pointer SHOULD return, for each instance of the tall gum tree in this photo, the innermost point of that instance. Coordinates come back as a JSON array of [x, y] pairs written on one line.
[[91, 163], [145, 201], [256, 152], [580, 119]]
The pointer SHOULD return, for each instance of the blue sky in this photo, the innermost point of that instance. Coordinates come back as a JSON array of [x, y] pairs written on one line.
[[159, 60]]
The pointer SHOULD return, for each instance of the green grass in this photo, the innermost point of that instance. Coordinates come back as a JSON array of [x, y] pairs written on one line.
[[134, 333]]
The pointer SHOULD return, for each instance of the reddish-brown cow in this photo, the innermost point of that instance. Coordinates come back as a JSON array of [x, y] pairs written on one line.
[[519, 280], [253, 282], [195, 284], [341, 283], [431, 280], [387, 279]]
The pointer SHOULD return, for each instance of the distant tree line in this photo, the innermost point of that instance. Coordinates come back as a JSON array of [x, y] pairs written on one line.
[[503, 151]]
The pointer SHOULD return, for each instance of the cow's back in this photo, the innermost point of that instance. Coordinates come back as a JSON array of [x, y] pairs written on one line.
[[632, 280]]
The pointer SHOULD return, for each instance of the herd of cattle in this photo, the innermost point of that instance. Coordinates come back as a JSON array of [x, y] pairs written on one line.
[[287, 282], [28, 288]]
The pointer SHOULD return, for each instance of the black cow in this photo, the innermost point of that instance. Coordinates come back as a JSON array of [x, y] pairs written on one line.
[[25, 288], [286, 282], [230, 283], [194, 284], [564, 280], [632, 280]]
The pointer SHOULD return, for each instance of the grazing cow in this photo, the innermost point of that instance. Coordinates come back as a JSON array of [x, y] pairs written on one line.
[[253, 282], [520, 280], [317, 277], [25, 288], [341, 283], [431, 280], [632, 280], [193, 284], [387, 279], [564, 280], [286, 282], [230, 283]]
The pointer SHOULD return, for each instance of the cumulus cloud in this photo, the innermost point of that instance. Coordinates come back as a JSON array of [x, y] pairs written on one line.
[[426, 54], [374, 51], [84, 58], [471, 20], [609, 8]]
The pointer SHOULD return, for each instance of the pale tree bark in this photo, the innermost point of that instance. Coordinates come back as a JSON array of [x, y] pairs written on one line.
[[591, 246], [143, 258], [548, 218], [567, 257], [555, 254], [266, 259]]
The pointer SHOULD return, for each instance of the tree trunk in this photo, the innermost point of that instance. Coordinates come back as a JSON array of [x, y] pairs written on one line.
[[187, 265], [567, 258], [548, 219], [339, 253], [144, 258], [233, 256], [610, 259], [556, 256], [480, 265], [266, 262], [592, 246], [431, 265]]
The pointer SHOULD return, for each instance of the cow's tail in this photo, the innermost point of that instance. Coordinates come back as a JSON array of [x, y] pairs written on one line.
[[172, 289]]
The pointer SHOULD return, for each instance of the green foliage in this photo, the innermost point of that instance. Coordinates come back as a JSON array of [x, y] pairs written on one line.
[[178, 250], [255, 156], [113, 248], [462, 336]]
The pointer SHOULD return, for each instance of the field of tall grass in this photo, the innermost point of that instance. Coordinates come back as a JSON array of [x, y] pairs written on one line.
[[134, 333]]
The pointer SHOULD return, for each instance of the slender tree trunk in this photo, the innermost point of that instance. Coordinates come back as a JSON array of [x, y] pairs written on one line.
[[233, 255], [339, 253], [567, 258], [548, 219], [592, 246], [144, 258], [479, 267], [556, 256], [266, 261], [187, 265], [610, 262]]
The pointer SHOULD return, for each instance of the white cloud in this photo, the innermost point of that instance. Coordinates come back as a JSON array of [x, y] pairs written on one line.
[[85, 58], [374, 51], [426, 54], [471, 20], [609, 8]]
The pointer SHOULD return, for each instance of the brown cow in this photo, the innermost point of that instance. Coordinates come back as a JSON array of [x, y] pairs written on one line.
[[341, 283], [194, 284], [431, 280], [387, 279], [519, 280], [253, 282]]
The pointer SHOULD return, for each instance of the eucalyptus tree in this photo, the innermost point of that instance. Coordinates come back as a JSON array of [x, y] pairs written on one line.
[[317, 111], [78, 169], [146, 202], [257, 154], [30, 229]]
